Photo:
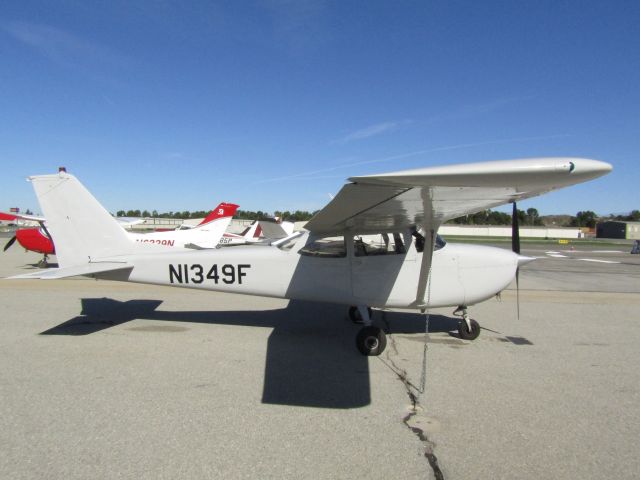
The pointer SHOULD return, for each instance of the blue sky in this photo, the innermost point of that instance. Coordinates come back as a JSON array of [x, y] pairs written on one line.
[[273, 104]]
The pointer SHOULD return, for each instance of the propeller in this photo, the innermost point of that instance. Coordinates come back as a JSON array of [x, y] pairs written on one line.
[[515, 246], [9, 243], [515, 230]]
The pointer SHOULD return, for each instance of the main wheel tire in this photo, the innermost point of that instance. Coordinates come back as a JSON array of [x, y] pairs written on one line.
[[354, 314], [464, 332], [371, 341], [43, 264]]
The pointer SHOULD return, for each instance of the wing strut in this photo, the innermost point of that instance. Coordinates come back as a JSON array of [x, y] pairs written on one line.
[[430, 228], [425, 270]]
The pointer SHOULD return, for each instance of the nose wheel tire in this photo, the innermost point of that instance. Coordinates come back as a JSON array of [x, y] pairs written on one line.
[[371, 341], [465, 333]]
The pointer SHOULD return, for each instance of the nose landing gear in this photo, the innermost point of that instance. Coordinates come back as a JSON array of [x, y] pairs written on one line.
[[44, 263], [468, 328]]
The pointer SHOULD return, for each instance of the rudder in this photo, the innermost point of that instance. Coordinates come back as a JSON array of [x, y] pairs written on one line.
[[82, 230]]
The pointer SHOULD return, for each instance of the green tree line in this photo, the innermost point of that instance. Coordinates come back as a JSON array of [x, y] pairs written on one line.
[[634, 216], [530, 217], [589, 219], [297, 216]]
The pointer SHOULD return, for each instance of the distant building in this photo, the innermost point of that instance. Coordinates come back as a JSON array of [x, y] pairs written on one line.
[[505, 231], [618, 229]]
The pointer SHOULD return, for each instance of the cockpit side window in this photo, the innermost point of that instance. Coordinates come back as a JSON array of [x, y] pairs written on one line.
[[333, 247]]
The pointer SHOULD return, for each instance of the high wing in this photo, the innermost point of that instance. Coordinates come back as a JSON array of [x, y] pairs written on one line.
[[427, 197]]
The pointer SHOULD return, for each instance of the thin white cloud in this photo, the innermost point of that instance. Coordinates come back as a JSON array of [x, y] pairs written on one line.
[[372, 131], [298, 25], [295, 15], [62, 47], [312, 175], [477, 109], [174, 156]]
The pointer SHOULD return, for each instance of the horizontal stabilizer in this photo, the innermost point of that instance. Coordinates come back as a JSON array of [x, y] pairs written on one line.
[[78, 270], [272, 230], [202, 245]]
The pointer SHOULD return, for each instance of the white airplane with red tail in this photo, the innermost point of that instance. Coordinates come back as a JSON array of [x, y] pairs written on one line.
[[410, 268], [207, 234]]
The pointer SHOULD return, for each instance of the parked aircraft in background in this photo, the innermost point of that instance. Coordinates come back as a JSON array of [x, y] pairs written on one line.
[[35, 239], [259, 231], [206, 234], [411, 268]]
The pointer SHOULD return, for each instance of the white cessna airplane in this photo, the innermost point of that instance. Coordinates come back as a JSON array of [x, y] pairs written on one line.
[[330, 262], [259, 231]]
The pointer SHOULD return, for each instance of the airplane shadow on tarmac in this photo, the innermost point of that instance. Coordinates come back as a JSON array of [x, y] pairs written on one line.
[[311, 361]]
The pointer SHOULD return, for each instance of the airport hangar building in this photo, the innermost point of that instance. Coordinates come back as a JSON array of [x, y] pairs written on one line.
[[618, 229]]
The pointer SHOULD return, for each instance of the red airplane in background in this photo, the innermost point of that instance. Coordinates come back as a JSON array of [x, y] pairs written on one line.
[[35, 239]]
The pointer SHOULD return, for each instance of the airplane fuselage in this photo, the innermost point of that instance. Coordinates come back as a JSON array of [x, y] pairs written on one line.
[[461, 274], [35, 240]]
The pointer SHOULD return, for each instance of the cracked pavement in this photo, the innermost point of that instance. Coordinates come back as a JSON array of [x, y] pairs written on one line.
[[414, 420]]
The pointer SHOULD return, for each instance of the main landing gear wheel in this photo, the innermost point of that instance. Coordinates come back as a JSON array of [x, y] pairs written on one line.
[[354, 314], [466, 333], [371, 341], [43, 263]]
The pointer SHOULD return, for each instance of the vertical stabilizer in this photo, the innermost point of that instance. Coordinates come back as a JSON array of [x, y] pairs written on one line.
[[82, 230], [252, 232], [223, 210]]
